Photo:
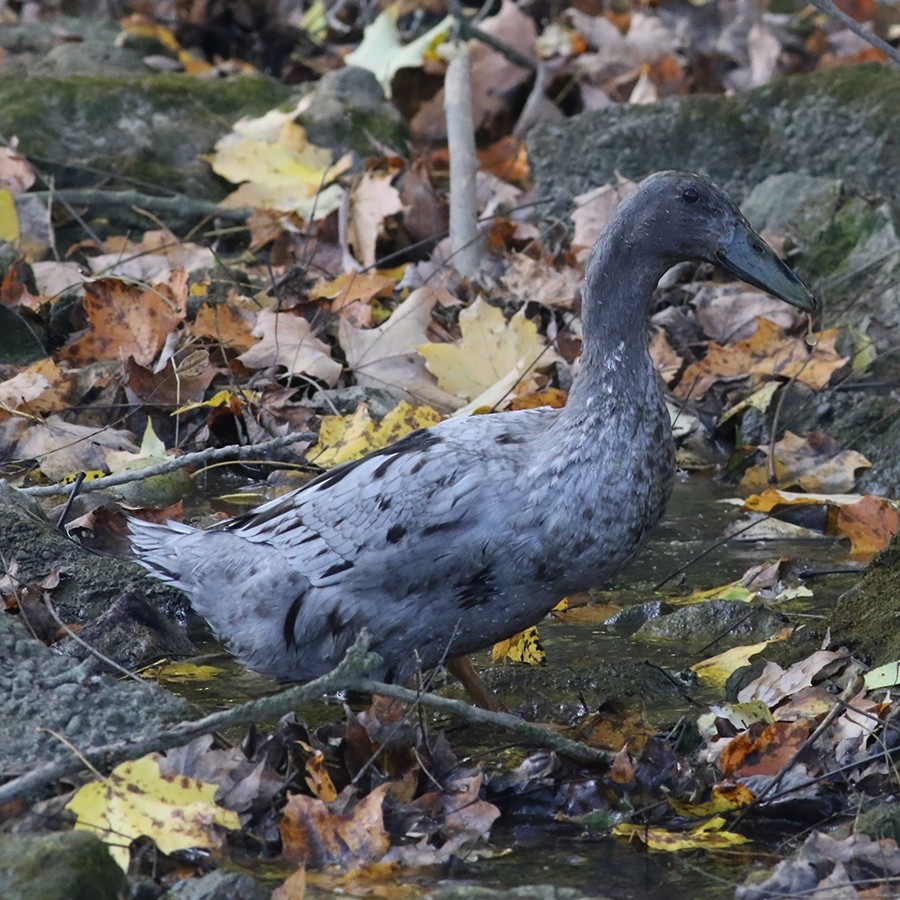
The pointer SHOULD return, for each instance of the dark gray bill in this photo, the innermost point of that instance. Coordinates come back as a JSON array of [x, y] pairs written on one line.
[[754, 261]]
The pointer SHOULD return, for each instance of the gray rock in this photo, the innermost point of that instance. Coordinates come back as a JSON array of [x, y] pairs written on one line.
[[218, 885]]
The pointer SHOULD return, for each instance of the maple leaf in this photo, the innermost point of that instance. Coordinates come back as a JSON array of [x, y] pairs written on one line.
[[287, 340], [278, 168], [870, 523], [128, 320], [345, 438], [176, 812], [385, 357], [768, 352], [493, 359]]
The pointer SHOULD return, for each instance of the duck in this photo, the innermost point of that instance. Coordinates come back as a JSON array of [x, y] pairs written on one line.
[[462, 534]]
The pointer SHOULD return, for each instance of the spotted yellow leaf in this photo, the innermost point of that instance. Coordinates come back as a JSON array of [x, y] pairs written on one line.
[[345, 438], [708, 836], [136, 800], [716, 670], [524, 647]]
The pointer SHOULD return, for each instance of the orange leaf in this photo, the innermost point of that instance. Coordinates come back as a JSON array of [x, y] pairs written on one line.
[[869, 524], [763, 749]]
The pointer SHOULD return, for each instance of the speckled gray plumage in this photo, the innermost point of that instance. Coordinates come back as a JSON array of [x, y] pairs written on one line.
[[463, 534]]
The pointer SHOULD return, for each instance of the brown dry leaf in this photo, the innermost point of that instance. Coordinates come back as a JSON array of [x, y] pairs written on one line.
[[151, 259], [168, 388], [493, 76], [545, 397], [385, 357], [768, 352], [507, 158], [775, 684], [594, 209], [350, 287], [763, 749], [229, 325], [814, 463], [16, 174], [870, 524], [127, 320], [536, 281], [294, 888], [287, 340], [40, 388], [728, 312], [771, 499], [668, 363], [614, 727], [492, 359], [63, 448], [372, 200], [313, 835], [345, 438], [585, 615]]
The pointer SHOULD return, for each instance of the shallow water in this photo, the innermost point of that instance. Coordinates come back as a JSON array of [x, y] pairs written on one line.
[[560, 854]]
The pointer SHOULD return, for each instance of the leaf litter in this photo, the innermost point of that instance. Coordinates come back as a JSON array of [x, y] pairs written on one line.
[[377, 795]]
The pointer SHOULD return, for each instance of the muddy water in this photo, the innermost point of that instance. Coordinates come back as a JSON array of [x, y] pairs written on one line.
[[597, 665]]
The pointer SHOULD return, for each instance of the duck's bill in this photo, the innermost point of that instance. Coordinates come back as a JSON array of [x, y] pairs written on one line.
[[752, 260]]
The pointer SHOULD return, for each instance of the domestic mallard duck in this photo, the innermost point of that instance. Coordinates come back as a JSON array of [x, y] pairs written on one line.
[[462, 534]]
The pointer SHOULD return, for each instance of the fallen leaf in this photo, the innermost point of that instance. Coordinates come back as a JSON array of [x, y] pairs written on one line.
[[278, 168], [768, 352], [385, 357], [288, 341], [814, 463], [716, 670], [528, 280], [350, 287], [372, 200], [593, 211], [345, 438], [230, 326], [870, 524], [152, 452], [127, 320], [524, 647], [775, 684], [493, 357], [63, 447], [724, 798], [709, 836], [313, 835], [176, 812], [383, 52], [40, 388], [16, 173], [763, 749]]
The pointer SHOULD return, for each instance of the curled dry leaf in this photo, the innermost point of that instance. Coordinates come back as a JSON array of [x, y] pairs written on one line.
[[288, 341]]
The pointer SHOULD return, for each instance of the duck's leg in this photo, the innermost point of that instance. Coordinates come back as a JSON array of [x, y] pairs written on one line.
[[464, 672]]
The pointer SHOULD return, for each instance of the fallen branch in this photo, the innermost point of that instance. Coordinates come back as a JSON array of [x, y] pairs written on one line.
[[200, 458], [351, 674], [178, 204]]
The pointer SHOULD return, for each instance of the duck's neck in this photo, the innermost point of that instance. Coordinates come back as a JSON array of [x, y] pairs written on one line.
[[619, 283]]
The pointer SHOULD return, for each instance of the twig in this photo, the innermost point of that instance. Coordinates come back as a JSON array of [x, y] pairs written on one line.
[[348, 675], [463, 163], [180, 205], [201, 457], [827, 7]]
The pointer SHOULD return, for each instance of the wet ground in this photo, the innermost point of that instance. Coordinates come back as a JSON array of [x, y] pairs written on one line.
[[562, 854]]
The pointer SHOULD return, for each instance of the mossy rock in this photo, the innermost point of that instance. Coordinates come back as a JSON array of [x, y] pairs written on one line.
[[70, 865], [867, 617]]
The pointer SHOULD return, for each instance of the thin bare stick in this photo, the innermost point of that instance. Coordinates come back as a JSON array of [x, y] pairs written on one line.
[[200, 458], [827, 7], [349, 675], [463, 163]]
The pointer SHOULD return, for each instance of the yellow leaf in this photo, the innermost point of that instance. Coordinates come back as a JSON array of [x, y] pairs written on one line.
[[345, 438], [176, 812], [732, 591], [9, 218], [708, 836], [524, 647], [382, 52], [185, 671], [317, 778], [493, 358], [278, 168], [152, 452], [221, 398], [725, 798], [715, 670]]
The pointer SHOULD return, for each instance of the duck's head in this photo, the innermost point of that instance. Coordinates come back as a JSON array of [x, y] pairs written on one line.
[[687, 217]]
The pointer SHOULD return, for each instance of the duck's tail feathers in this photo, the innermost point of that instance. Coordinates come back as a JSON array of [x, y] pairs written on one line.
[[156, 548]]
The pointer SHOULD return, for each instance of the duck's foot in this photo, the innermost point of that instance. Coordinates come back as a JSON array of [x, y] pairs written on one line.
[[482, 696]]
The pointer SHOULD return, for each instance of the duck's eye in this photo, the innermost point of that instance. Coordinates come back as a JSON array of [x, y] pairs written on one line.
[[690, 195]]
